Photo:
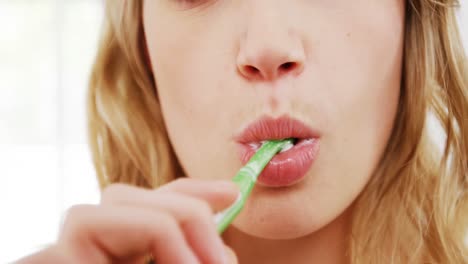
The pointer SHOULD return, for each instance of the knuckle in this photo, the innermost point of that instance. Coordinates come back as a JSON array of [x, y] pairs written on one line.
[[75, 218], [188, 208], [179, 181], [112, 191], [163, 223], [77, 211], [200, 209], [204, 208]]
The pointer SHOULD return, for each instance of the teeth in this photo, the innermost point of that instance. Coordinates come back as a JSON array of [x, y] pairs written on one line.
[[257, 145], [287, 147], [254, 145]]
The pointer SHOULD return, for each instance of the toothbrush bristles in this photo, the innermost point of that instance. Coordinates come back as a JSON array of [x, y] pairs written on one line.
[[287, 147]]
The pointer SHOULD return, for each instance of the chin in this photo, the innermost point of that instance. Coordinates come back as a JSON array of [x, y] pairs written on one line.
[[279, 214], [275, 230]]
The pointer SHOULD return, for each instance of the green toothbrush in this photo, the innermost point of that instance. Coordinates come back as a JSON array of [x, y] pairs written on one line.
[[246, 178]]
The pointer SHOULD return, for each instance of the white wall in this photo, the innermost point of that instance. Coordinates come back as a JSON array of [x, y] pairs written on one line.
[[46, 47]]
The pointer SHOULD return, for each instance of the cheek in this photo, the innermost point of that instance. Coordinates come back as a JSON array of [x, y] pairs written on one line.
[[184, 58], [356, 76], [372, 70], [355, 68], [170, 54], [363, 79]]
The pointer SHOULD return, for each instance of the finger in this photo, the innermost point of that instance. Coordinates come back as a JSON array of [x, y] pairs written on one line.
[[231, 255], [49, 255], [108, 233], [194, 215], [218, 193]]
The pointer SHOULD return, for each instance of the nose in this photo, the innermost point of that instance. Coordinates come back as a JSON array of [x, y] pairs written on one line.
[[269, 50]]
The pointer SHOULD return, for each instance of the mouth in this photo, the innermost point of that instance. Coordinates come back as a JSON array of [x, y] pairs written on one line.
[[290, 165]]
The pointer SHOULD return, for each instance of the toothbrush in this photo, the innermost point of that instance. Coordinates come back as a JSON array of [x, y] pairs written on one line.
[[246, 178]]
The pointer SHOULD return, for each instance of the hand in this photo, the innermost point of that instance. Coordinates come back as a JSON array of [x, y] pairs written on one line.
[[173, 223]]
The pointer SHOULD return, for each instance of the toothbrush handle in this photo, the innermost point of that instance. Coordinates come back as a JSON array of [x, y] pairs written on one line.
[[246, 178], [225, 217]]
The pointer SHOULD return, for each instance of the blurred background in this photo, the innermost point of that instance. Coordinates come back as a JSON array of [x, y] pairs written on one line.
[[46, 51]]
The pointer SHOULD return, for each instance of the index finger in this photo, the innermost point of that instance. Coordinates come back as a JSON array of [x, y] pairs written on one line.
[[218, 193]]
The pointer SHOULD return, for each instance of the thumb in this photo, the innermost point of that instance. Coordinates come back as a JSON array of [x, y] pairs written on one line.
[[231, 255]]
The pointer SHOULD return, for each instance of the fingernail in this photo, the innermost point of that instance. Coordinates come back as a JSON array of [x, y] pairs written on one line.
[[231, 257], [228, 186], [223, 257]]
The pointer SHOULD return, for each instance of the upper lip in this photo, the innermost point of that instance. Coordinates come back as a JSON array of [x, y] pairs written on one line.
[[268, 128]]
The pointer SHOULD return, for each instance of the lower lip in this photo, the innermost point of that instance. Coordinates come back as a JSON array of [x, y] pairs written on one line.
[[285, 168]]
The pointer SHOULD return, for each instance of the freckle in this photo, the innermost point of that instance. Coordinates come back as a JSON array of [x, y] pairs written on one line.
[[348, 34]]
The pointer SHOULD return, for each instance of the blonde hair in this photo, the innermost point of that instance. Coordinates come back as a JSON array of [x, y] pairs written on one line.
[[413, 209]]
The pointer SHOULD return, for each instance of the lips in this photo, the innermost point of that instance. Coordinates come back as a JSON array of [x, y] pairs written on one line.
[[289, 166]]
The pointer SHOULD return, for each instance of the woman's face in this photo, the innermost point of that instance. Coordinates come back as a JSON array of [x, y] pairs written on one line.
[[325, 71]]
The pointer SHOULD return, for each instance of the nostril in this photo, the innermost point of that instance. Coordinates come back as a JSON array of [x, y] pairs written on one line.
[[251, 70], [288, 66], [270, 72]]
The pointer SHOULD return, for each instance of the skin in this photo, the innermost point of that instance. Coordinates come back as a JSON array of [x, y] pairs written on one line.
[[173, 223], [345, 83], [218, 67]]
